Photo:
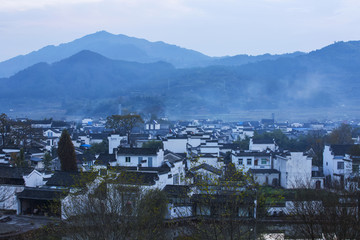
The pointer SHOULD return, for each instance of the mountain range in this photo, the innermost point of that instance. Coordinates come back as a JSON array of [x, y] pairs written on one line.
[[94, 74]]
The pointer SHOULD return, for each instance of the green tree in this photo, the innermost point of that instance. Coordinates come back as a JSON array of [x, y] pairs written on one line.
[[124, 123], [66, 152], [244, 143], [4, 127], [341, 135], [18, 159], [314, 140], [47, 161], [97, 148], [153, 144]]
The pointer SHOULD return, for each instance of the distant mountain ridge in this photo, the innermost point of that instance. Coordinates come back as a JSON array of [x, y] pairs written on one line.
[[122, 47], [92, 84]]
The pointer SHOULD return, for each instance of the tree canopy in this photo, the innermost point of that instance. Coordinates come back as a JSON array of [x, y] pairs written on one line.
[[66, 152], [4, 122], [341, 135], [123, 123]]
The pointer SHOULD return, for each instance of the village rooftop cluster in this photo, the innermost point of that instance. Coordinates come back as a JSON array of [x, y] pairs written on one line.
[[171, 156]]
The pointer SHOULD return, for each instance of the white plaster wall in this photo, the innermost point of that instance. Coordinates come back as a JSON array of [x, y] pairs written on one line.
[[194, 142], [8, 200], [328, 165], [299, 169], [280, 164], [134, 161], [114, 142], [261, 178], [175, 145], [34, 179]]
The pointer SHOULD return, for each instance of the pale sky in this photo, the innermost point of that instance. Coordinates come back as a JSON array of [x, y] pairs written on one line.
[[213, 27]]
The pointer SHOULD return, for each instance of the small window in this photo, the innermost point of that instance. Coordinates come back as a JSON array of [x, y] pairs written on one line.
[[340, 165], [127, 159], [263, 161], [240, 161], [249, 162]]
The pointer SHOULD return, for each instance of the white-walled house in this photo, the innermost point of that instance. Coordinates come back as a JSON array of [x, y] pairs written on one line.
[[51, 142], [176, 144], [36, 178], [252, 160], [211, 147], [178, 166], [133, 157], [11, 182], [259, 164], [204, 172], [262, 145], [337, 167], [295, 169], [114, 142], [49, 133]]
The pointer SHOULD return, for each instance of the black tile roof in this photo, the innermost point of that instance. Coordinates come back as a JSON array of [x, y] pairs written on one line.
[[173, 157], [160, 170], [58, 124], [176, 190], [206, 167], [41, 194], [80, 158], [67, 179], [263, 141], [14, 172], [230, 146], [137, 151], [250, 154], [264, 171], [105, 158], [99, 135], [138, 178]]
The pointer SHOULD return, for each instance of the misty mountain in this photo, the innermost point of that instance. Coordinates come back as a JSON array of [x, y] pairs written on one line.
[[85, 75], [122, 47], [94, 84], [244, 58]]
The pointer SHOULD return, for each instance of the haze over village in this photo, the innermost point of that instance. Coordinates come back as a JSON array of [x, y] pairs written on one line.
[[179, 119]]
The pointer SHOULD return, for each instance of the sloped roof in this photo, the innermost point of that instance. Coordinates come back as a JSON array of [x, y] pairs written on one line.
[[40, 194], [176, 190], [80, 158], [264, 171], [173, 157], [137, 151], [67, 179], [263, 141], [14, 172], [208, 168], [98, 135], [252, 153], [160, 170], [138, 178], [105, 158]]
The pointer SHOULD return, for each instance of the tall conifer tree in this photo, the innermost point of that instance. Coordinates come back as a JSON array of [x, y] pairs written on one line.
[[66, 152]]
